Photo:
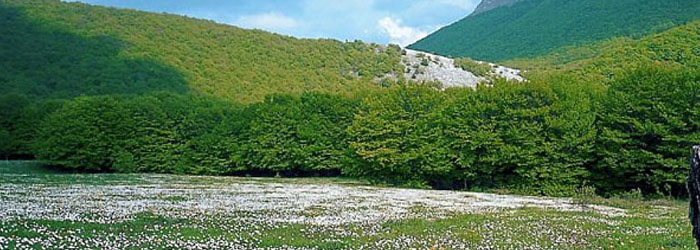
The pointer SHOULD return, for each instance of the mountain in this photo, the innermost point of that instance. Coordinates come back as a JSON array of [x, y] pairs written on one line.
[[504, 30], [487, 5], [53, 49]]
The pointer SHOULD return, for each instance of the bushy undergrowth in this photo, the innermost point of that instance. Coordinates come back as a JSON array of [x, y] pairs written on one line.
[[477, 68]]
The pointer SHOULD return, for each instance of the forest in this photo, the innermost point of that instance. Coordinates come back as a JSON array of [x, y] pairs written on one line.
[[132, 52], [146, 101], [536, 28], [547, 137], [676, 47]]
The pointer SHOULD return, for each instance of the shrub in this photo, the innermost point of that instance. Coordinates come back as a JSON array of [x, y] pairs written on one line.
[[425, 62], [584, 195], [634, 194], [477, 68]]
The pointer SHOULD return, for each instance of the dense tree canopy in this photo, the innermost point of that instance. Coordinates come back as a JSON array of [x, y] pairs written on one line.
[[128, 51], [649, 120], [675, 48], [130, 133], [522, 135], [545, 137], [394, 135], [537, 27], [297, 135]]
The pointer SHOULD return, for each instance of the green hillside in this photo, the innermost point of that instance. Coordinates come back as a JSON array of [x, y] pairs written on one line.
[[55, 49], [537, 27], [676, 47]]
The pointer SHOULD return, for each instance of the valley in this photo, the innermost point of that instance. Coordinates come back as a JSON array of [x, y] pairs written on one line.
[[528, 124]]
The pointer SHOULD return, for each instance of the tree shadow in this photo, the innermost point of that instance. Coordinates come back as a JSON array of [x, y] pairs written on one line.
[[43, 61]]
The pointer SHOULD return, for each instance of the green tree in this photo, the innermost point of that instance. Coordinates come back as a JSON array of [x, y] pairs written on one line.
[[298, 135], [11, 106], [520, 136], [393, 136], [649, 118], [159, 132], [77, 135]]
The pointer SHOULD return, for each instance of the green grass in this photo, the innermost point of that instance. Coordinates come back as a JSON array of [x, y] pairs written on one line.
[[507, 230], [653, 224]]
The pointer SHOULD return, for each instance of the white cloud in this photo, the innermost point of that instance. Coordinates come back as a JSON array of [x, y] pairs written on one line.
[[403, 35], [267, 21]]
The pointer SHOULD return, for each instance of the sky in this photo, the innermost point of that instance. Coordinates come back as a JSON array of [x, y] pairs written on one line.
[[379, 21]]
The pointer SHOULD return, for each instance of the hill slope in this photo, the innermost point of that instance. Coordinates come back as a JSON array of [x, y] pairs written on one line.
[[676, 47], [487, 5], [55, 49], [536, 27]]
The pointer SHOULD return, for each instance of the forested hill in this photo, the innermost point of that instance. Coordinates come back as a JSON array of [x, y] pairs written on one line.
[[536, 27], [54, 49], [678, 47]]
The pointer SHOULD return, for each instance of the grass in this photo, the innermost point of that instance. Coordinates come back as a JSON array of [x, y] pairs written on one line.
[[535, 228], [655, 224]]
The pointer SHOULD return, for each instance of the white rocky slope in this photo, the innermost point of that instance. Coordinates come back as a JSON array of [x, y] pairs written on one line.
[[443, 70]]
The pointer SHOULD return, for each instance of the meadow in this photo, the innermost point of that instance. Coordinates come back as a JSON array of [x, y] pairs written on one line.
[[42, 208]]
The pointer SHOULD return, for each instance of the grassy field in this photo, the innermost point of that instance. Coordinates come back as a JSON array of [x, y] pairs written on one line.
[[44, 209]]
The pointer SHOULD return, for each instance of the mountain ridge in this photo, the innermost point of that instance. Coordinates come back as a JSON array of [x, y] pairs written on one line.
[[534, 28], [487, 5]]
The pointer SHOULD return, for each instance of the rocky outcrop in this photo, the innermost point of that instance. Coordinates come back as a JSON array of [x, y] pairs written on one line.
[[421, 66], [487, 5]]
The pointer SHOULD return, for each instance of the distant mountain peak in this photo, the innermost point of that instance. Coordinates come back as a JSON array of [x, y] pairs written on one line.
[[487, 5]]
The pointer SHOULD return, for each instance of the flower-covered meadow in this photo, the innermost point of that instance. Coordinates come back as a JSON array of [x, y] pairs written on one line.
[[43, 209]]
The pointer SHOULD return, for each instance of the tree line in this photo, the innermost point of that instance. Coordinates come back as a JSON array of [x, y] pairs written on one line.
[[548, 136]]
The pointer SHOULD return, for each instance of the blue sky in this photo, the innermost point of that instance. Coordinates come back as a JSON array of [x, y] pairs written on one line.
[[379, 21]]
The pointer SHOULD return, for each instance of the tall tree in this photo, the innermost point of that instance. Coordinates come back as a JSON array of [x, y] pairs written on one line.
[[649, 118], [393, 136]]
